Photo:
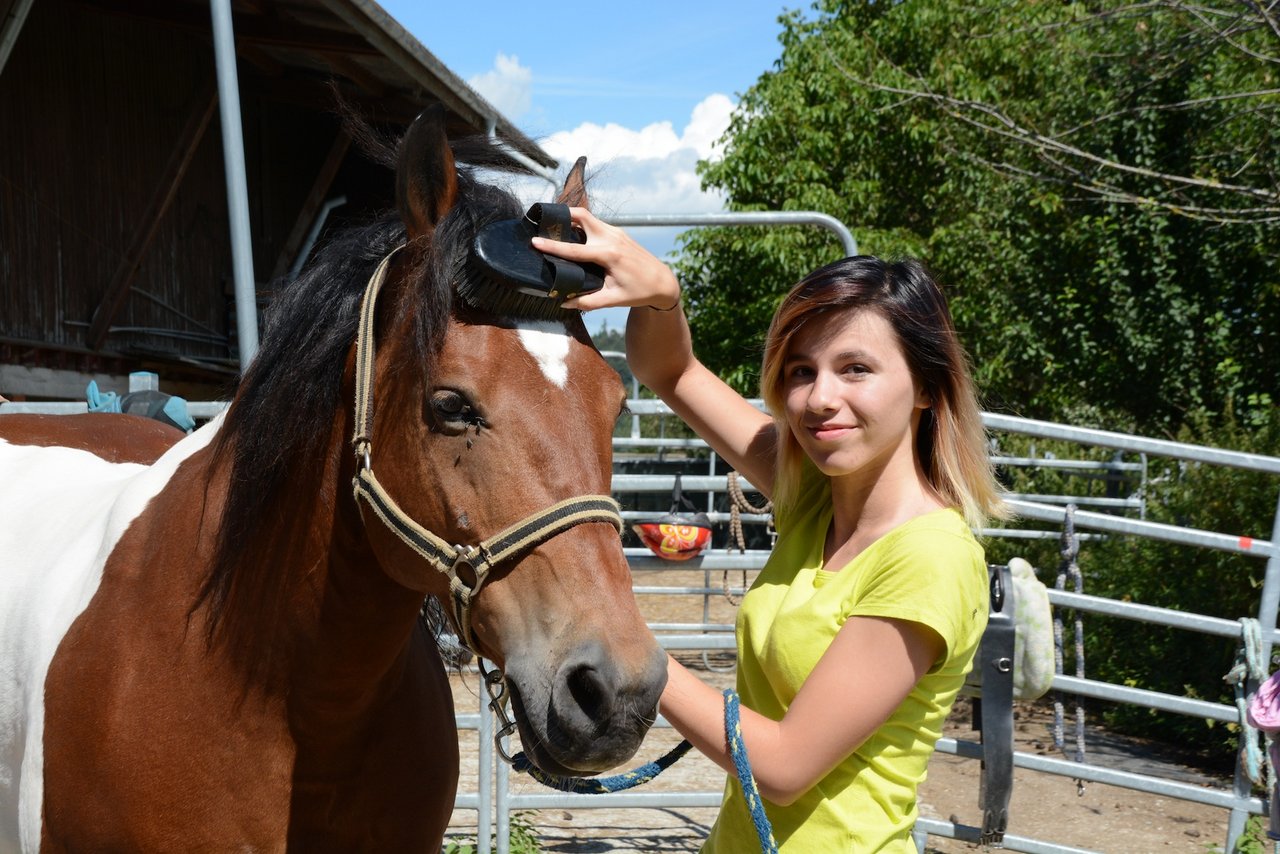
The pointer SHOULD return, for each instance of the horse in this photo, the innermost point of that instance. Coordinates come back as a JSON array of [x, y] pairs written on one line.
[[223, 651], [115, 436]]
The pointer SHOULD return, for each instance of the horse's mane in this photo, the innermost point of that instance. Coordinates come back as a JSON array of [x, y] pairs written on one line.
[[276, 440]]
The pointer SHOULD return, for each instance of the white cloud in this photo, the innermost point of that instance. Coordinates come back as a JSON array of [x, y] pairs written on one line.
[[708, 123], [508, 86], [649, 170]]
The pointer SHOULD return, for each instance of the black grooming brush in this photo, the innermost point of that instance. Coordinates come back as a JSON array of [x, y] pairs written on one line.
[[508, 277]]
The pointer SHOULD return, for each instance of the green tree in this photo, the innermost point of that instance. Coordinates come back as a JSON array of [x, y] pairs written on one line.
[[1096, 186]]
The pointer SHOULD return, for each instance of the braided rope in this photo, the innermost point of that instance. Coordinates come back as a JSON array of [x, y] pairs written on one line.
[[601, 785], [738, 503], [1263, 715], [738, 752], [1248, 668]]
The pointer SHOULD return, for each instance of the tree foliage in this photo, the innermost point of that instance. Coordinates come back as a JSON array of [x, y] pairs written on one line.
[[1095, 185]]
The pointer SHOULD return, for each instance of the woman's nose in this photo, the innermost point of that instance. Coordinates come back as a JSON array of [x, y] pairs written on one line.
[[822, 394]]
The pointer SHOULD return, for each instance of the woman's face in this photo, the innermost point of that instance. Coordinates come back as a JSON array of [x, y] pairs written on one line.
[[851, 400]]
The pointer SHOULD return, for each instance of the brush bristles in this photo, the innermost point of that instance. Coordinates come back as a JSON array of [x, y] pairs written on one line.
[[480, 291]]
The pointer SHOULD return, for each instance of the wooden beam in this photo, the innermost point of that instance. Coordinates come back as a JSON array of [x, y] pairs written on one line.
[[20, 381], [260, 59], [180, 159], [250, 29], [353, 71], [311, 205]]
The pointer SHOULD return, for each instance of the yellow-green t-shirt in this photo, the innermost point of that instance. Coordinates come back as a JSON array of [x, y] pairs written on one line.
[[929, 570]]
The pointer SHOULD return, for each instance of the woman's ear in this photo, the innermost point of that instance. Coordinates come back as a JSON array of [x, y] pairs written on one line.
[[924, 400]]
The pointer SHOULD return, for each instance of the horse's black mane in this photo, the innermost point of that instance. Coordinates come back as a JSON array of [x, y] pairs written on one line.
[[275, 441]]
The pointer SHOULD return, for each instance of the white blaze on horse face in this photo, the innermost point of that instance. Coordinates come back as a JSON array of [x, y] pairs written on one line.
[[62, 511], [548, 342]]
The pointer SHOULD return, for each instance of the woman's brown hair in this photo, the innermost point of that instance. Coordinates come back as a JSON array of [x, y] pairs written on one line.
[[951, 442]]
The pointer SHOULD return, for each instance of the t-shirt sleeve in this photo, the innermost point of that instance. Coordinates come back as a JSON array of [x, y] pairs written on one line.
[[931, 577]]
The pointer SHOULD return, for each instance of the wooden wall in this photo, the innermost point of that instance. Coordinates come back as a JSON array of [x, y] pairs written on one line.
[[93, 106]]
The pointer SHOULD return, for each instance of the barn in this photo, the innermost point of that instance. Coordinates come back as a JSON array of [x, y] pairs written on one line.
[[163, 162]]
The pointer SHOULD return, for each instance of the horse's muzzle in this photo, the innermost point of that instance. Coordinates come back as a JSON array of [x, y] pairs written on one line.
[[592, 715]]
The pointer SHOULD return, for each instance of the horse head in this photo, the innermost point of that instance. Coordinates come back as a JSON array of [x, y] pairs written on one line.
[[477, 425]]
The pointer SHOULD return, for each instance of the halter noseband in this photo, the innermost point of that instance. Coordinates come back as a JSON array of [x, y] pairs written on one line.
[[480, 557]]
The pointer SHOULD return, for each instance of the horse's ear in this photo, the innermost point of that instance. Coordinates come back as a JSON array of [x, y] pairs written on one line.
[[574, 193], [426, 177]]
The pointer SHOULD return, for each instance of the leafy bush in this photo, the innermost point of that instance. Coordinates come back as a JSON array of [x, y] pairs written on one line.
[[524, 839]]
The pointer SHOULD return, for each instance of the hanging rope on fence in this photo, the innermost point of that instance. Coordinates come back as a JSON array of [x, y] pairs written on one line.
[[1249, 672], [1069, 569], [738, 503], [1263, 714]]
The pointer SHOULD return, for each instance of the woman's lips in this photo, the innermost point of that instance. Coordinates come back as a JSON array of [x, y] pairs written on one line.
[[829, 432]]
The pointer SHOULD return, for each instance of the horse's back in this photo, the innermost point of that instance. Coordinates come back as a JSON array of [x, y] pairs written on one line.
[[115, 437], [61, 511]]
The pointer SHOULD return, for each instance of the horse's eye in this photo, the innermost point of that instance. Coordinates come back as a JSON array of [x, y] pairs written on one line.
[[448, 403], [452, 412]]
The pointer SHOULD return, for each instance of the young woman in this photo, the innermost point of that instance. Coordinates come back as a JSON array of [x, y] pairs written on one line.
[[857, 635]]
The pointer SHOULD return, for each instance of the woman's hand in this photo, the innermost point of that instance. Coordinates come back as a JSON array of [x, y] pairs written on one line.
[[634, 277], [660, 349]]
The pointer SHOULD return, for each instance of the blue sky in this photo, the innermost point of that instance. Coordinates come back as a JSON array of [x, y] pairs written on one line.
[[642, 89]]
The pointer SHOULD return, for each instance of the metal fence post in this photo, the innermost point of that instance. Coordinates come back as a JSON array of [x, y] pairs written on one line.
[[224, 46], [484, 779]]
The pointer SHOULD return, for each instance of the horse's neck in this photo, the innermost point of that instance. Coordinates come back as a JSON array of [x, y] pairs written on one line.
[[348, 626], [352, 664]]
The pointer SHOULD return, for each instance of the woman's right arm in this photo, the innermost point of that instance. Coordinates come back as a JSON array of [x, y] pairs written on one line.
[[660, 353], [660, 350]]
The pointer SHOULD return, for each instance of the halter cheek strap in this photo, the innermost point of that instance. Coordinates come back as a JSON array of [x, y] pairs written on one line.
[[451, 560]]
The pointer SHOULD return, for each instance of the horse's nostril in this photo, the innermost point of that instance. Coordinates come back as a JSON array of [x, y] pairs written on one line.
[[589, 691]]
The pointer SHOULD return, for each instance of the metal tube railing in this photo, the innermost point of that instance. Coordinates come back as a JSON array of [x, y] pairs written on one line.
[[847, 241], [1239, 800], [1133, 444]]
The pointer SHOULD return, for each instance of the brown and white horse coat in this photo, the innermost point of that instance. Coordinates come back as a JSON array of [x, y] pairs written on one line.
[[51, 571], [222, 652]]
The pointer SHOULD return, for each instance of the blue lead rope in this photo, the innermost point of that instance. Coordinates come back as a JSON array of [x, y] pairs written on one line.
[[601, 785], [645, 773], [738, 752]]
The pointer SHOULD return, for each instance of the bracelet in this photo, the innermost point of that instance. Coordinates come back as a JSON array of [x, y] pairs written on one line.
[[674, 305]]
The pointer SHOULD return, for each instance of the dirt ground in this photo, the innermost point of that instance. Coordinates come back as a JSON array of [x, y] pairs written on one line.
[[1044, 807]]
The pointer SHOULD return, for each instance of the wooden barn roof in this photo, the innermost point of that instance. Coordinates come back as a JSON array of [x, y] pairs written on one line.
[[116, 225], [292, 43]]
